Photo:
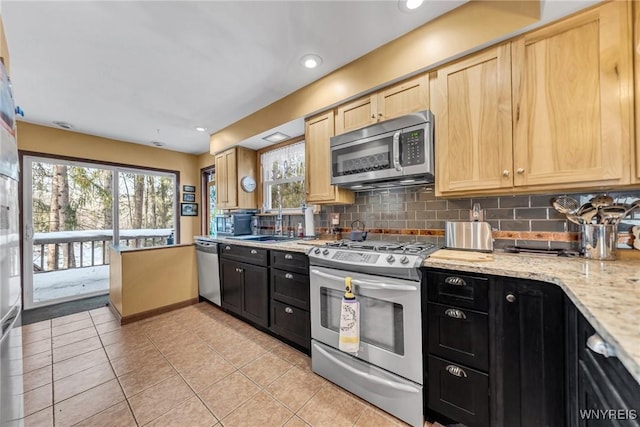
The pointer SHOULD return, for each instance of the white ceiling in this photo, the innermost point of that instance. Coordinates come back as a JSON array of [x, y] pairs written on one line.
[[143, 71]]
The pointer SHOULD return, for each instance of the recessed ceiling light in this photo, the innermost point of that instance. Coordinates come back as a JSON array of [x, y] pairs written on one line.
[[276, 137], [310, 61], [201, 129], [409, 5], [63, 125]]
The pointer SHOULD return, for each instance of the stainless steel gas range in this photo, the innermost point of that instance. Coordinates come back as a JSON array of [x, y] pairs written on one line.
[[387, 369]]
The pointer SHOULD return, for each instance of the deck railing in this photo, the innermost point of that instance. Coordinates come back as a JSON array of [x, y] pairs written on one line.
[[87, 248]]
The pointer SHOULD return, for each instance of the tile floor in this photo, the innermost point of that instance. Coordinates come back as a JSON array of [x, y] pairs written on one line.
[[192, 367]]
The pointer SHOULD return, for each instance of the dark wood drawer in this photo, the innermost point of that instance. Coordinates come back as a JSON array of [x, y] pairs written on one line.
[[246, 254], [458, 392], [291, 323], [460, 335], [290, 288], [290, 261], [460, 290]]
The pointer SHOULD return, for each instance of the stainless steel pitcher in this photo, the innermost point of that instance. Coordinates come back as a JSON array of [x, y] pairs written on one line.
[[600, 241]]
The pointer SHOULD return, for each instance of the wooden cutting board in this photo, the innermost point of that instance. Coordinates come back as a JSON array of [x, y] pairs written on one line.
[[461, 255]]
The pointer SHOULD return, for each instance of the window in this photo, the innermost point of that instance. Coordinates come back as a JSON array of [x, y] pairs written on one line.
[[283, 177]]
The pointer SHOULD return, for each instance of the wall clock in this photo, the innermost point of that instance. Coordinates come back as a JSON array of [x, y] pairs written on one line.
[[248, 184]]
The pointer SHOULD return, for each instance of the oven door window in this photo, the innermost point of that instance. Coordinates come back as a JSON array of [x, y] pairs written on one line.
[[360, 158], [381, 322]]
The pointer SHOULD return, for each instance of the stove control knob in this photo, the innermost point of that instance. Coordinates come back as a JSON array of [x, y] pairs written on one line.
[[325, 252], [390, 259], [404, 260], [316, 251]]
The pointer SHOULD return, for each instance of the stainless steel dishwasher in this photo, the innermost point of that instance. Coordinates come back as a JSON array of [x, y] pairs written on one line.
[[208, 270]]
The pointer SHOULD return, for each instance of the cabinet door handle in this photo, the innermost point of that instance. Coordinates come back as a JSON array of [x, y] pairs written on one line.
[[456, 370], [456, 314], [373, 116], [456, 281], [288, 310], [288, 276], [288, 256], [520, 171], [510, 298], [253, 251], [239, 270], [505, 172], [227, 248], [596, 344]]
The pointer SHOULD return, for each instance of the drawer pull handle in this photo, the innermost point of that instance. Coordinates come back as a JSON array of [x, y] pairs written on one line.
[[288, 276], [238, 270], [456, 281], [227, 248], [510, 298], [253, 251], [456, 370], [288, 310], [596, 344], [288, 256], [456, 314]]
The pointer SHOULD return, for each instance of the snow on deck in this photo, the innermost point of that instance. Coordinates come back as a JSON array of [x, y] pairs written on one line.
[[68, 283]]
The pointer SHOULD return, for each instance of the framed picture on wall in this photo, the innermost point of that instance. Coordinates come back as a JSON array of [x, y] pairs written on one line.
[[188, 209], [188, 188], [188, 197]]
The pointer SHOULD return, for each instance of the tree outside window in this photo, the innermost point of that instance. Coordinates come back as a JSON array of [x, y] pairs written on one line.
[[283, 172]]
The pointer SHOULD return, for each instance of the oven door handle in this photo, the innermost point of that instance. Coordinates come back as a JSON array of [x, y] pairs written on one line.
[[365, 375], [366, 284]]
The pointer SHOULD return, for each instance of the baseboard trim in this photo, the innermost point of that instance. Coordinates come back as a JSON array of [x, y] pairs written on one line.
[[150, 313]]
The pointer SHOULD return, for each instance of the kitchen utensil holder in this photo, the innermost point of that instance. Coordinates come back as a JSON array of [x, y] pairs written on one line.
[[599, 241]]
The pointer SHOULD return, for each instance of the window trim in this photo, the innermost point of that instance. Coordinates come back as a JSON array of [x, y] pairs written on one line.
[[260, 183]]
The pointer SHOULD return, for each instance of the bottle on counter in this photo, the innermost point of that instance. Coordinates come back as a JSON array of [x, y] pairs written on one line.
[[300, 230], [170, 239]]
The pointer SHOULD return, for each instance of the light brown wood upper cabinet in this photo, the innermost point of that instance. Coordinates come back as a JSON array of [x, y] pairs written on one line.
[[572, 101], [636, 50], [471, 101], [396, 100], [231, 166], [318, 130]]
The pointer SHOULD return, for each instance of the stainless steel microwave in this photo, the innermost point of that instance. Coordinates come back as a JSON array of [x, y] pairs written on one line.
[[237, 224], [395, 152]]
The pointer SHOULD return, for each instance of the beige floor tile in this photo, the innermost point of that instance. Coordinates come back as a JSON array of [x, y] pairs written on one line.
[[374, 418], [136, 360], [103, 318], [99, 311], [148, 375], [76, 349], [220, 338], [261, 410], [42, 418], [163, 332], [119, 415], [71, 327], [87, 404], [127, 333], [174, 344], [37, 399], [33, 336], [265, 369], [159, 399], [70, 318], [202, 372], [66, 339], [263, 340], [191, 413], [228, 393], [32, 348], [36, 378], [38, 326], [104, 328], [296, 387], [82, 381], [331, 406], [242, 352], [128, 347], [78, 363], [289, 354], [36, 361], [295, 422]]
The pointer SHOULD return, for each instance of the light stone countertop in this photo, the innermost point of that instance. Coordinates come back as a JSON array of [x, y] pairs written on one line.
[[607, 293]]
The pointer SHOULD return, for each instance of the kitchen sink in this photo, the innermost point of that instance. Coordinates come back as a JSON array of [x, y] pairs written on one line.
[[264, 238]]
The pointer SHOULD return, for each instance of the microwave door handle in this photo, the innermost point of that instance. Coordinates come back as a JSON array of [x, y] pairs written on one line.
[[396, 152], [366, 284]]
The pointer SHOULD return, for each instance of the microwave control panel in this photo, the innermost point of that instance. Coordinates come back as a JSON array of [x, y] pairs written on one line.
[[412, 148]]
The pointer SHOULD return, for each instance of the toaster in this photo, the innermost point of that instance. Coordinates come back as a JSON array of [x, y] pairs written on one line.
[[469, 235]]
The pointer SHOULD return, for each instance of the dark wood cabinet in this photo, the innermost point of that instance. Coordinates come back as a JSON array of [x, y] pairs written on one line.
[[244, 286], [600, 390], [528, 355], [290, 295]]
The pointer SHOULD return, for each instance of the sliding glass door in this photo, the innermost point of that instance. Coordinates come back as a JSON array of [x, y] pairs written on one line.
[[74, 211]]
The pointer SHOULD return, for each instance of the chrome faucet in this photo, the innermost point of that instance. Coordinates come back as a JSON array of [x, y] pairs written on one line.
[[278, 226]]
